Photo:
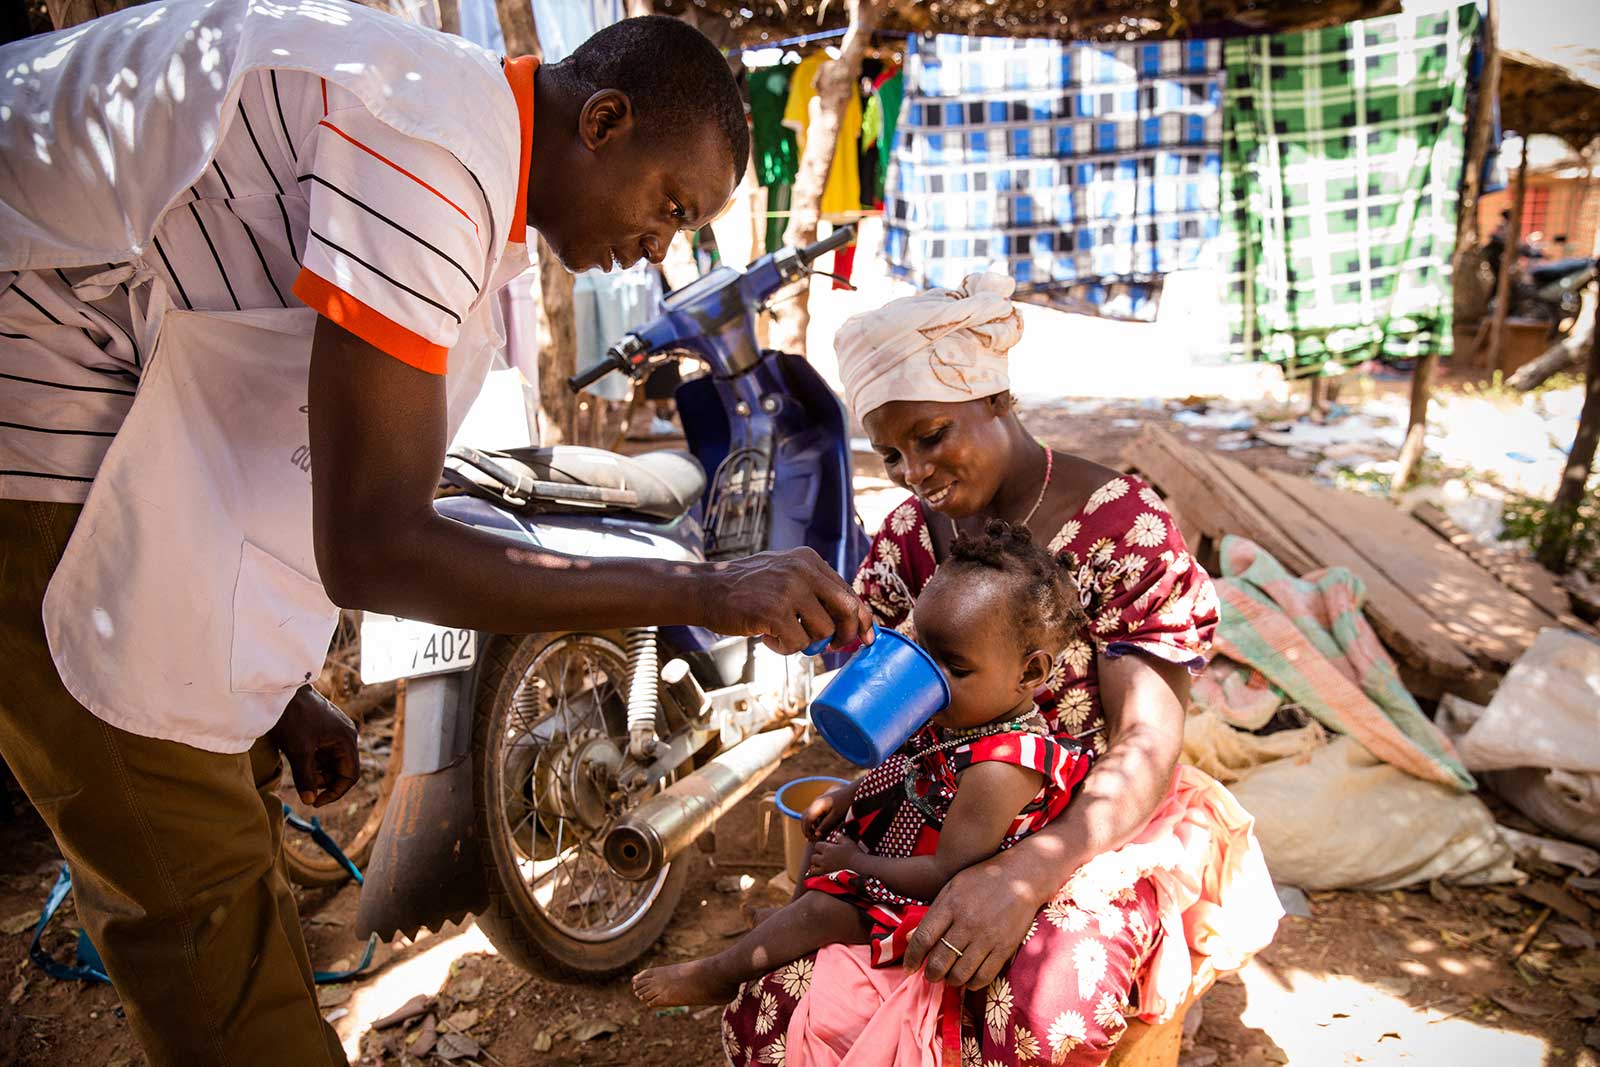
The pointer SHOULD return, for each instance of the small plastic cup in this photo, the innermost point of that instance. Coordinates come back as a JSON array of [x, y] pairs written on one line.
[[883, 695], [791, 802]]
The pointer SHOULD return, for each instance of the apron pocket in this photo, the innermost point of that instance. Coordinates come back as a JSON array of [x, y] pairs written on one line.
[[282, 623]]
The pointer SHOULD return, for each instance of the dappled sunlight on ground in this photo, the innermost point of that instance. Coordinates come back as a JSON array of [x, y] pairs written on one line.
[[1334, 1019], [423, 968]]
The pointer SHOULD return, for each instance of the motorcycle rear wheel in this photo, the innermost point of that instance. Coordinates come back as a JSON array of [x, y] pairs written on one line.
[[550, 709]]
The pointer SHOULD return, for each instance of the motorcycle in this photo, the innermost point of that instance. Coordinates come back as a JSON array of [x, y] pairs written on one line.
[[550, 782], [1545, 291]]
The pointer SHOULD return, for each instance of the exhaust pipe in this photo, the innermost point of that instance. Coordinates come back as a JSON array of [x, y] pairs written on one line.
[[666, 824]]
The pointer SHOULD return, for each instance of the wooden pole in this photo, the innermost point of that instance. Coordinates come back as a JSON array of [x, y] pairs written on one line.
[[1478, 134], [1555, 541], [1508, 264], [64, 13], [450, 16], [835, 82]]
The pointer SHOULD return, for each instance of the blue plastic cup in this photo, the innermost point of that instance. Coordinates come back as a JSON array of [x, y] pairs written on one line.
[[883, 695]]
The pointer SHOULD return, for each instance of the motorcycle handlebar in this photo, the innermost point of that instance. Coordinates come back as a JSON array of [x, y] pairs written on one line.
[[582, 381], [837, 239]]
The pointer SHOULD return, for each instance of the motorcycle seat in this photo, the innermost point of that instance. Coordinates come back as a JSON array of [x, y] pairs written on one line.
[[1544, 273], [661, 485]]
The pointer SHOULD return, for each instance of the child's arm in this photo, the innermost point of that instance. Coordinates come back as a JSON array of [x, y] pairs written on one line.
[[989, 796]]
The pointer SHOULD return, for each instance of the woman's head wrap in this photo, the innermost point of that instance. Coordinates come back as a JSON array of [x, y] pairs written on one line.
[[947, 345]]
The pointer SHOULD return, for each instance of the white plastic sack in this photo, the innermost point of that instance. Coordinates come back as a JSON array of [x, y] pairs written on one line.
[[1537, 743], [1546, 712], [1338, 818]]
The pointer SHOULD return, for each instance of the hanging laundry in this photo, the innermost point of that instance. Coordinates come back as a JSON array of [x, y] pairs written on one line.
[[844, 264], [606, 306], [1062, 165], [565, 24], [842, 194], [867, 147], [480, 24], [777, 154], [886, 97], [776, 151], [1342, 158]]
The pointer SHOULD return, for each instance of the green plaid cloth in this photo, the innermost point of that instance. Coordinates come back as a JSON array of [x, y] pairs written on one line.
[[1341, 163]]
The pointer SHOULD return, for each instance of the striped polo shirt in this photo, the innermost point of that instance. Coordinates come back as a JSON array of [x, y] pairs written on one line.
[[308, 199]]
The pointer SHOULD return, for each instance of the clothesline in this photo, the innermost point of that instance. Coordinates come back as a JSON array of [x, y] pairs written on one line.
[[820, 35]]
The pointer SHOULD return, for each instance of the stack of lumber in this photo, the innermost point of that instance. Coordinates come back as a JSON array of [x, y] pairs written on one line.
[[1452, 614]]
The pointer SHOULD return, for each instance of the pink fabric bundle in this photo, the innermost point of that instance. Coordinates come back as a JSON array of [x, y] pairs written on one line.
[[858, 1015]]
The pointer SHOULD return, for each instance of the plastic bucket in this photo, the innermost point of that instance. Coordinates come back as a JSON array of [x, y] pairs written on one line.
[[791, 802], [879, 699]]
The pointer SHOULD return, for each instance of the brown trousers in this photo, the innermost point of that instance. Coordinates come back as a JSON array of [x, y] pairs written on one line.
[[175, 852]]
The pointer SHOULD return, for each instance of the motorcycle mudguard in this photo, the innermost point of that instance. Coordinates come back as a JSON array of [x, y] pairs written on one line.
[[426, 865]]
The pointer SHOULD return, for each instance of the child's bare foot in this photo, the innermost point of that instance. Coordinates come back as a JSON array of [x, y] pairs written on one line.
[[695, 982]]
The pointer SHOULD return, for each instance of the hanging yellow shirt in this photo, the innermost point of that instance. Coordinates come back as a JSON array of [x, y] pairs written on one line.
[[842, 194]]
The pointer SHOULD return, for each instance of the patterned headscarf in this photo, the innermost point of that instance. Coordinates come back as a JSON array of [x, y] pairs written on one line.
[[947, 345]]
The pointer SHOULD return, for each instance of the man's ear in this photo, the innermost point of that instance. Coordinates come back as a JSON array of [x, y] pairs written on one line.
[[605, 115], [1036, 670]]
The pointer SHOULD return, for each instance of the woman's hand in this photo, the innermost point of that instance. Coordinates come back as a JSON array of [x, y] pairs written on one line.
[[825, 813], [833, 856], [976, 924], [319, 741]]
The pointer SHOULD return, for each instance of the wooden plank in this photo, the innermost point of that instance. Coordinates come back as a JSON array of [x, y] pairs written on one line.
[[1523, 576], [1491, 622], [1205, 497], [1409, 631]]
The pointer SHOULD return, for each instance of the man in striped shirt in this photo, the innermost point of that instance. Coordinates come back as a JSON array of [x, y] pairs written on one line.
[[309, 197]]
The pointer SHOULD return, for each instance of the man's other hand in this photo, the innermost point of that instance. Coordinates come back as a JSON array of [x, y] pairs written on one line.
[[319, 742], [788, 599]]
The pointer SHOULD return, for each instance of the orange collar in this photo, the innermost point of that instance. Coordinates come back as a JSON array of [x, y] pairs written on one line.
[[519, 73]]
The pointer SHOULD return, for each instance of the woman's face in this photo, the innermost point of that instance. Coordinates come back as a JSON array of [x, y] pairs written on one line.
[[952, 456]]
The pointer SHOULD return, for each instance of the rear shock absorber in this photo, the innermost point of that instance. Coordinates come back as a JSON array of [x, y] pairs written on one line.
[[644, 677]]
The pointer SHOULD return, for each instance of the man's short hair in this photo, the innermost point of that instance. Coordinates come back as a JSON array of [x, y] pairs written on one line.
[[675, 77]]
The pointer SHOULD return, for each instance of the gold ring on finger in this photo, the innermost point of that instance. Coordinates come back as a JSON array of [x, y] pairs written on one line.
[[951, 947]]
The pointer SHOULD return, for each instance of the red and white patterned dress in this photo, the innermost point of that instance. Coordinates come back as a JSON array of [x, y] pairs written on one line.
[[889, 822], [1063, 997]]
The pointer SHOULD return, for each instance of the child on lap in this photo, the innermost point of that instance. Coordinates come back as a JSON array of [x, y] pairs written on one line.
[[983, 774]]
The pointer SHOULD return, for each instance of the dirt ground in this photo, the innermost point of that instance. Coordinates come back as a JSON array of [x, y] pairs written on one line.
[[1419, 977]]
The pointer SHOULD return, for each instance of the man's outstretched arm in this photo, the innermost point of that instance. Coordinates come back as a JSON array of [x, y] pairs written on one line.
[[377, 446]]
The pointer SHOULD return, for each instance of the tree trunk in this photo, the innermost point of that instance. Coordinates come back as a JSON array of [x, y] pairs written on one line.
[[835, 82], [64, 13], [516, 24], [559, 416], [1565, 354], [450, 16], [1466, 227], [1508, 264], [1555, 542]]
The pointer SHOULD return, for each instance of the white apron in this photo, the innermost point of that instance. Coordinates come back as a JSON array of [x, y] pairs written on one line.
[[187, 604]]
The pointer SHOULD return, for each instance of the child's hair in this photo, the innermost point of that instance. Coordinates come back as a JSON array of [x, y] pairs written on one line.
[[1052, 614]]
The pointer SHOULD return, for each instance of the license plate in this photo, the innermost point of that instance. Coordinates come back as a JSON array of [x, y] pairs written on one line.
[[392, 647]]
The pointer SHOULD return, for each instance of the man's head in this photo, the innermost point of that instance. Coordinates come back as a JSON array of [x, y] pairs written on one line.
[[649, 138]]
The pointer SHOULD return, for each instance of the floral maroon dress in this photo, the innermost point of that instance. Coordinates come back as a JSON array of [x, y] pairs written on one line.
[[1064, 997]]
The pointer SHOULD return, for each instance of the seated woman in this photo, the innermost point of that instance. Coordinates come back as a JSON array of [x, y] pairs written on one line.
[[1050, 965]]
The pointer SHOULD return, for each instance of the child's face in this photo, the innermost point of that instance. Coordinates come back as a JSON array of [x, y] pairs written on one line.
[[966, 626]]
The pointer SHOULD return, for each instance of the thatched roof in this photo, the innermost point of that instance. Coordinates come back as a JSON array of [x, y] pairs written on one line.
[[1538, 96], [754, 21]]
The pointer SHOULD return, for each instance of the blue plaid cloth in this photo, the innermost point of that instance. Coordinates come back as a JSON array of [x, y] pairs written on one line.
[[1063, 165]]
